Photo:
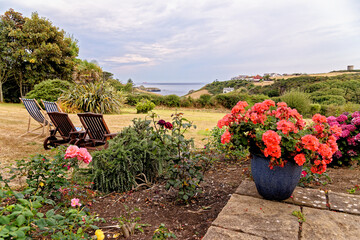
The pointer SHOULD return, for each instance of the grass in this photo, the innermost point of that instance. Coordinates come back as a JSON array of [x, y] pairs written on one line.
[[14, 121]]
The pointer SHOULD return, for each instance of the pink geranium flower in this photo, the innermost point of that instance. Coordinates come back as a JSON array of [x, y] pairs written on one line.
[[84, 155], [71, 151], [75, 202]]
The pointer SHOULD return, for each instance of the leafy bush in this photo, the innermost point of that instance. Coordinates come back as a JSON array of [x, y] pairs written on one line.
[[93, 97], [298, 100], [204, 100], [26, 214], [315, 108], [228, 150], [49, 90], [329, 99], [172, 100], [144, 106], [135, 151], [349, 141]]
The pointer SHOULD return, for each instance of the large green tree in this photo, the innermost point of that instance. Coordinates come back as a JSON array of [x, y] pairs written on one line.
[[36, 49]]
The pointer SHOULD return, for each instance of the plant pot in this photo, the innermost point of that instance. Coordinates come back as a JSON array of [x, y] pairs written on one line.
[[277, 183]]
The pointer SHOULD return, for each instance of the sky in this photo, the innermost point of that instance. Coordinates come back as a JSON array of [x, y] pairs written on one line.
[[204, 40]]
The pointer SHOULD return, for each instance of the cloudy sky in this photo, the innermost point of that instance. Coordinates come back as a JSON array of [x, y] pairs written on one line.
[[204, 40]]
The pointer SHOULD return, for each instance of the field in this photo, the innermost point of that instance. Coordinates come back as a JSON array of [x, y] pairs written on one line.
[[330, 74], [14, 121]]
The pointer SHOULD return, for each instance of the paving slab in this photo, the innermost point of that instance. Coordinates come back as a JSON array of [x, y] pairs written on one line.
[[329, 225], [308, 197], [344, 203], [259, 217], [216, 233], [301, 196]]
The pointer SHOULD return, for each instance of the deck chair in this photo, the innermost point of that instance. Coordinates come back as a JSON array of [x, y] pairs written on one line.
[[36, 113], [63, 125], [51, 106], [97, 132]]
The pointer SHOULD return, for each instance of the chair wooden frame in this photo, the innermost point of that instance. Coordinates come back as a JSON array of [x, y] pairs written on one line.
[[66, 129], [97, 132], [51, 106], [36, 113]]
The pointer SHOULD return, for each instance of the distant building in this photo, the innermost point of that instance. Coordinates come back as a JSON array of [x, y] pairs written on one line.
[[227, 90], [240, 77], [272, 74], [350, 67], [257, 78]]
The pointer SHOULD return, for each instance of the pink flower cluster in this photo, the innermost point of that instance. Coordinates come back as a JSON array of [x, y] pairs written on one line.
[[349, 140], [81, 154], [75, 202]]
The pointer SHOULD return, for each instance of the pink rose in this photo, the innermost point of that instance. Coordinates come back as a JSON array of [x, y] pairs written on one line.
[[84, 155], [75, 202], [71, 151]]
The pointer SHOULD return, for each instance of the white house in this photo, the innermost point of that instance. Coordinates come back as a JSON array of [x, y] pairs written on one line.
[[227, 90]]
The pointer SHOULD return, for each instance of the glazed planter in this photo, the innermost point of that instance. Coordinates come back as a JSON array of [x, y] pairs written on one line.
[[277, 183]]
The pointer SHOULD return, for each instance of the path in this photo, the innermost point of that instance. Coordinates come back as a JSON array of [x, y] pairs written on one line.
[[328, 215]]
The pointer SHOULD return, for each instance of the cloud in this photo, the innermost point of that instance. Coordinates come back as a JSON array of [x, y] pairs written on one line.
[[129, 59]]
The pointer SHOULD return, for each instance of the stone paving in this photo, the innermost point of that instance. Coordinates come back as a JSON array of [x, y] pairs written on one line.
[[328, 215]]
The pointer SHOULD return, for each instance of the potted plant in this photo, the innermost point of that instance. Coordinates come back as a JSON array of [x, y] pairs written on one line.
[[280, 143]]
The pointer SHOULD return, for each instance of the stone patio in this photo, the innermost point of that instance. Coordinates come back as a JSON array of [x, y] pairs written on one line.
[[327, 215]]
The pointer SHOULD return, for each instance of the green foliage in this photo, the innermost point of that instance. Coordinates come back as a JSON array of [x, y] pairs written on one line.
[[144, 106], [49, 90], [299, 215], [129, 224], [85, 72], [94, 97], [136, 150], [329, 99], [29, 214], [228, 100], [172, 100], [204, 100], [162, 233], [227, 150], [298, 100], [217, 87], [315, 108], [184, 172], [36, 50]]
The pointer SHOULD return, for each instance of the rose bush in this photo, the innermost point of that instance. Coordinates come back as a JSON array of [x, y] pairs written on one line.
[[349, 140], [280, 133]]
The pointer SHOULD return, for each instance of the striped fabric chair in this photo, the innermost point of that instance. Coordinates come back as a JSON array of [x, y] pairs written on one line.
[[97, 132], [36, 113], [51, 106]]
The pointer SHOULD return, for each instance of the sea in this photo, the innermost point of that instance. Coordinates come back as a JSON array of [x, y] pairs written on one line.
[[179, 89]]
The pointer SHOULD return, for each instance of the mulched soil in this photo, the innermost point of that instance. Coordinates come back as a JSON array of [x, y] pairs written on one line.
[[191, 221]]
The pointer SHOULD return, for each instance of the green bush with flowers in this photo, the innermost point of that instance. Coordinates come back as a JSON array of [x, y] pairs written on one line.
[[44, 208], [280, 133]]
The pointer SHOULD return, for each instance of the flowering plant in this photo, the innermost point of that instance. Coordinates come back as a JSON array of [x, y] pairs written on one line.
[[349, 140], [279, 132]]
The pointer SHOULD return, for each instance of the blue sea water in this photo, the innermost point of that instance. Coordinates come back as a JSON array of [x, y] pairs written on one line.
[[179, 89]]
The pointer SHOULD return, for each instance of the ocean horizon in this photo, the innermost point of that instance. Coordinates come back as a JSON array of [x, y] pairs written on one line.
[[179, 89]]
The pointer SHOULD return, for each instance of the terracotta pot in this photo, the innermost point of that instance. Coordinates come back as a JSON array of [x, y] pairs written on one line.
[[277, 183]]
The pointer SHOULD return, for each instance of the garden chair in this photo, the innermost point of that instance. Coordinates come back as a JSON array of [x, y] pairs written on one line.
[[97, 132], [36, 113], [69, 134], [51, 106]]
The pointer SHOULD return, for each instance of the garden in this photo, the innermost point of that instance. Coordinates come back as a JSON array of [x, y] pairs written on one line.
[[154, 181]]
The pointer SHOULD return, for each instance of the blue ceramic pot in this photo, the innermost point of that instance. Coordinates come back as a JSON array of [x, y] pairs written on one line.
[[277, 183]]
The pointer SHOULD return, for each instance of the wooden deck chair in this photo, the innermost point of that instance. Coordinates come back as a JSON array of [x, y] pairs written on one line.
[[65, 127], [97, 132], [51, 106], [36, 113]]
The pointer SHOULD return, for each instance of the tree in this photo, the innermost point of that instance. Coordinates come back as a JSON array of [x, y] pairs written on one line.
[[10, 22], [86, 72], [37, 49]]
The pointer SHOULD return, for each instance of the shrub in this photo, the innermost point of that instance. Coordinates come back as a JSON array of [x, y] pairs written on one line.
[[144, 106], [49, 90], [94, 97], [187, 102], [297, 99], [136, 150], [329, 99], [315, 108], [204, 100], [172, 100], [349, 141]]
